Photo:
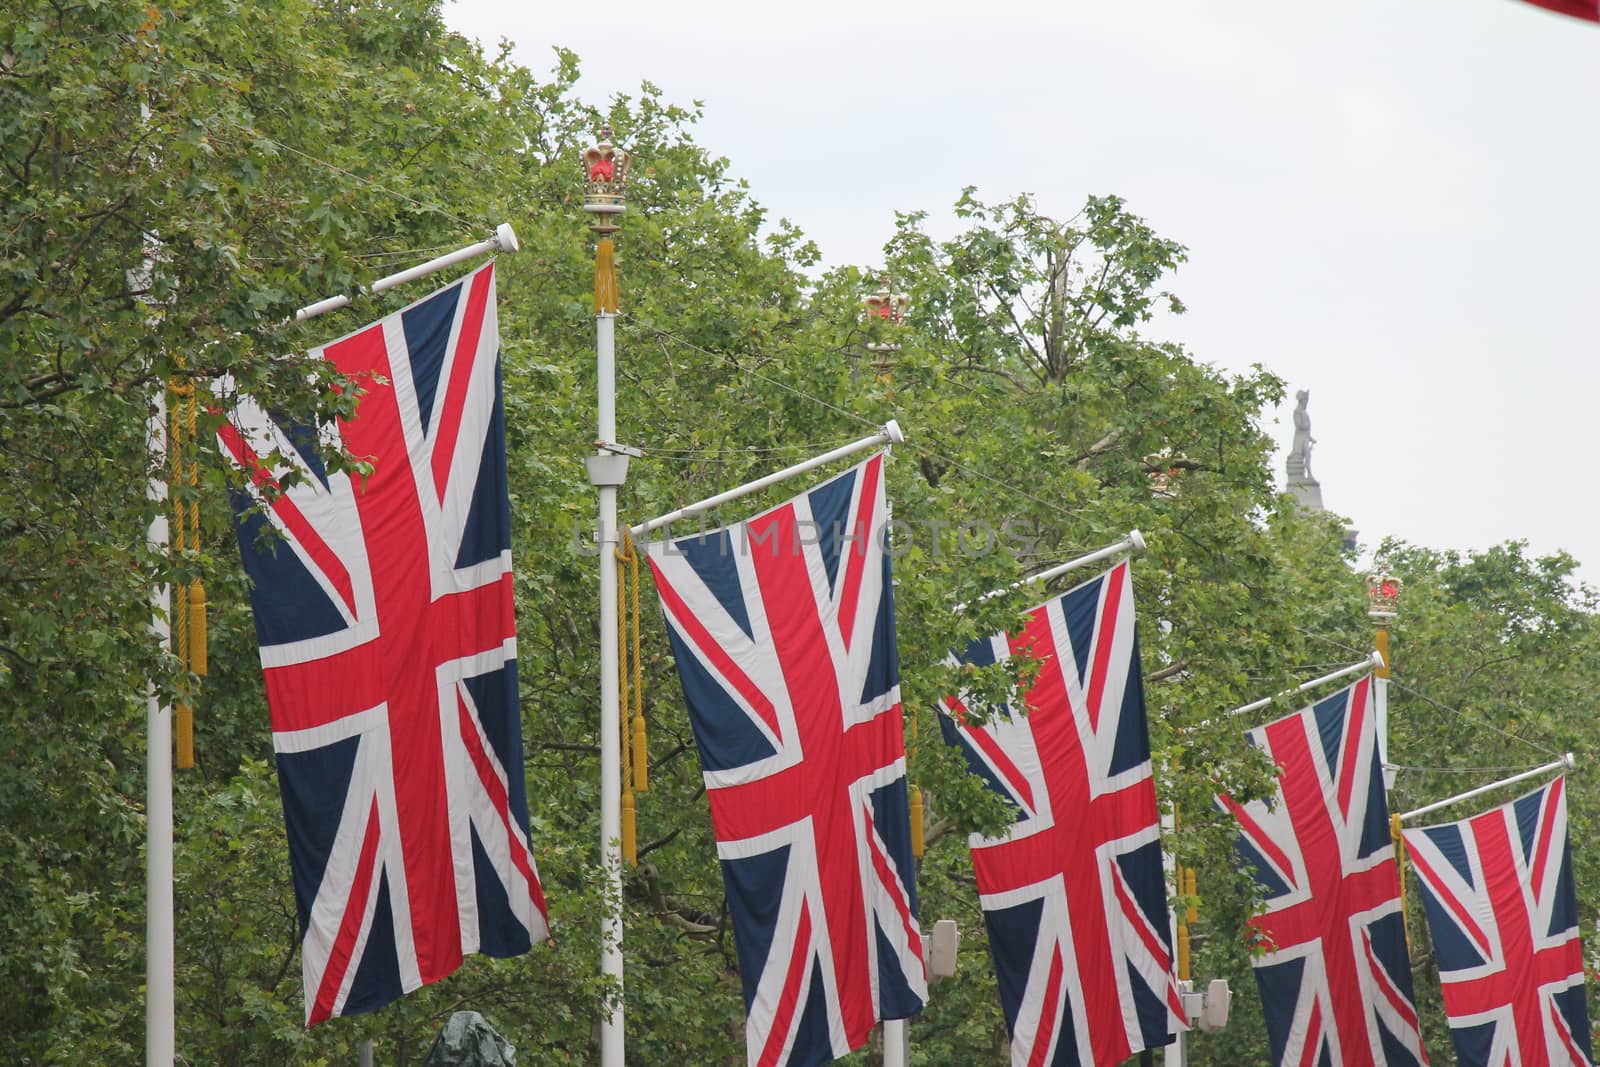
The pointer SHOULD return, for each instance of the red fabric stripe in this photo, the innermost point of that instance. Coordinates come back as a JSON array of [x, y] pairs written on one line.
[[1048, 1010], [1261, 840], [498, 797], [1463, 917], [690, 624], [773, 1050], [455, 397], [355, 909], [1545, 843], [1131, 912], [1313, 1045], [1104, 638], [1353, 722], [856, 558], [996, 754], [292, 517], [1385, 986], [1578, 1058], [890, 879]]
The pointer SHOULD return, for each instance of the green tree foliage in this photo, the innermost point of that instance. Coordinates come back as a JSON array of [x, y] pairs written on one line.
[[267, 157]]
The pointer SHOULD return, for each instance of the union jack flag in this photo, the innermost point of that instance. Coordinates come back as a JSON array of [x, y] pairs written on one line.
[[783, 631], [1074, 893], [1336, 980], [1498, 892], [384, 615]]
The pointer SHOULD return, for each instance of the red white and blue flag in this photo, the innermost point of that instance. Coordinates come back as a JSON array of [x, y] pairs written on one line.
[[1335, 980], [783, 631], [383, 607], [1498, 892], [1074, 894]]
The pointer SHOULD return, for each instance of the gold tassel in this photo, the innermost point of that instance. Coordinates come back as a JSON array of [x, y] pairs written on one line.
[[630, 831], [918, 842], [605, 277], [185, 737], [636, 767], [197, 628], [189, 601], [1400, 869], [1183, 952], [1192, 914]]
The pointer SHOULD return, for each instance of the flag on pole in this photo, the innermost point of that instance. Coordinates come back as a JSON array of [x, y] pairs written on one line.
[[1335, 980], [1498, 893], [1578, 9], [1074, 893], [783, 631], [384, 613]]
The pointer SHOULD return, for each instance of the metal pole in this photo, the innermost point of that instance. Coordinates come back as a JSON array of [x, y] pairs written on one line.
[[1370, 663], [160, 1041], [1133, 543], [366, 1053], [504, 240], [160, 1011], [1566, 762], [605, 172], [1383, 595], [895, 1050], [890, 434]]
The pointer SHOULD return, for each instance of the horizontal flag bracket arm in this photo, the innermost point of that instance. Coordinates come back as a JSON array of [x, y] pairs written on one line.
[[1133, 544], [890, 434], [504, 240], [1359, 667], [1566, 762]]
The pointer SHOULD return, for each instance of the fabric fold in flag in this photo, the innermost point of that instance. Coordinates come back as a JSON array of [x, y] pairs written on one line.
[[383, 608], [1074, 893], [782, 628], [1335, 979], [1498, 893]]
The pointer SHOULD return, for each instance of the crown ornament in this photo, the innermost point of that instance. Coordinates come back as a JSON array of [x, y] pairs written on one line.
[[1383, 596], [887, 307], [605, 179]]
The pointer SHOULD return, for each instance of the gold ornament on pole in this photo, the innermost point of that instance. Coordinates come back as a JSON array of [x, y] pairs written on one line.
[[889, 308]]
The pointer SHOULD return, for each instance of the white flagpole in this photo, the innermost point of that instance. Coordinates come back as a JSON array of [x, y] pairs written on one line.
[[1370, 663], [895, 1050], [160, 1034], [504, 240], [1566, 762], [605, 170], [160, 999], [890, 434], [1133, 544]]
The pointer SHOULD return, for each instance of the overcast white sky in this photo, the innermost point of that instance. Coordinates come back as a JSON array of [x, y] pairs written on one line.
[[1392, 203]]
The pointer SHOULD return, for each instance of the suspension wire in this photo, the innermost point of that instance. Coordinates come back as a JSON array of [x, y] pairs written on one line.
[[1471, 719], [335, 168], [919, 448], [1506, 769]]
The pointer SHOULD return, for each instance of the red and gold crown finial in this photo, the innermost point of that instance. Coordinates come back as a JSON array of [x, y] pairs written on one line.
[[1383, 595], [605, 180]]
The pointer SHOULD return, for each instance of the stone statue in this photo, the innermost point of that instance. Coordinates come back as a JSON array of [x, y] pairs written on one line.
[[1300, 452], [1302, 485], [468, 1040]]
